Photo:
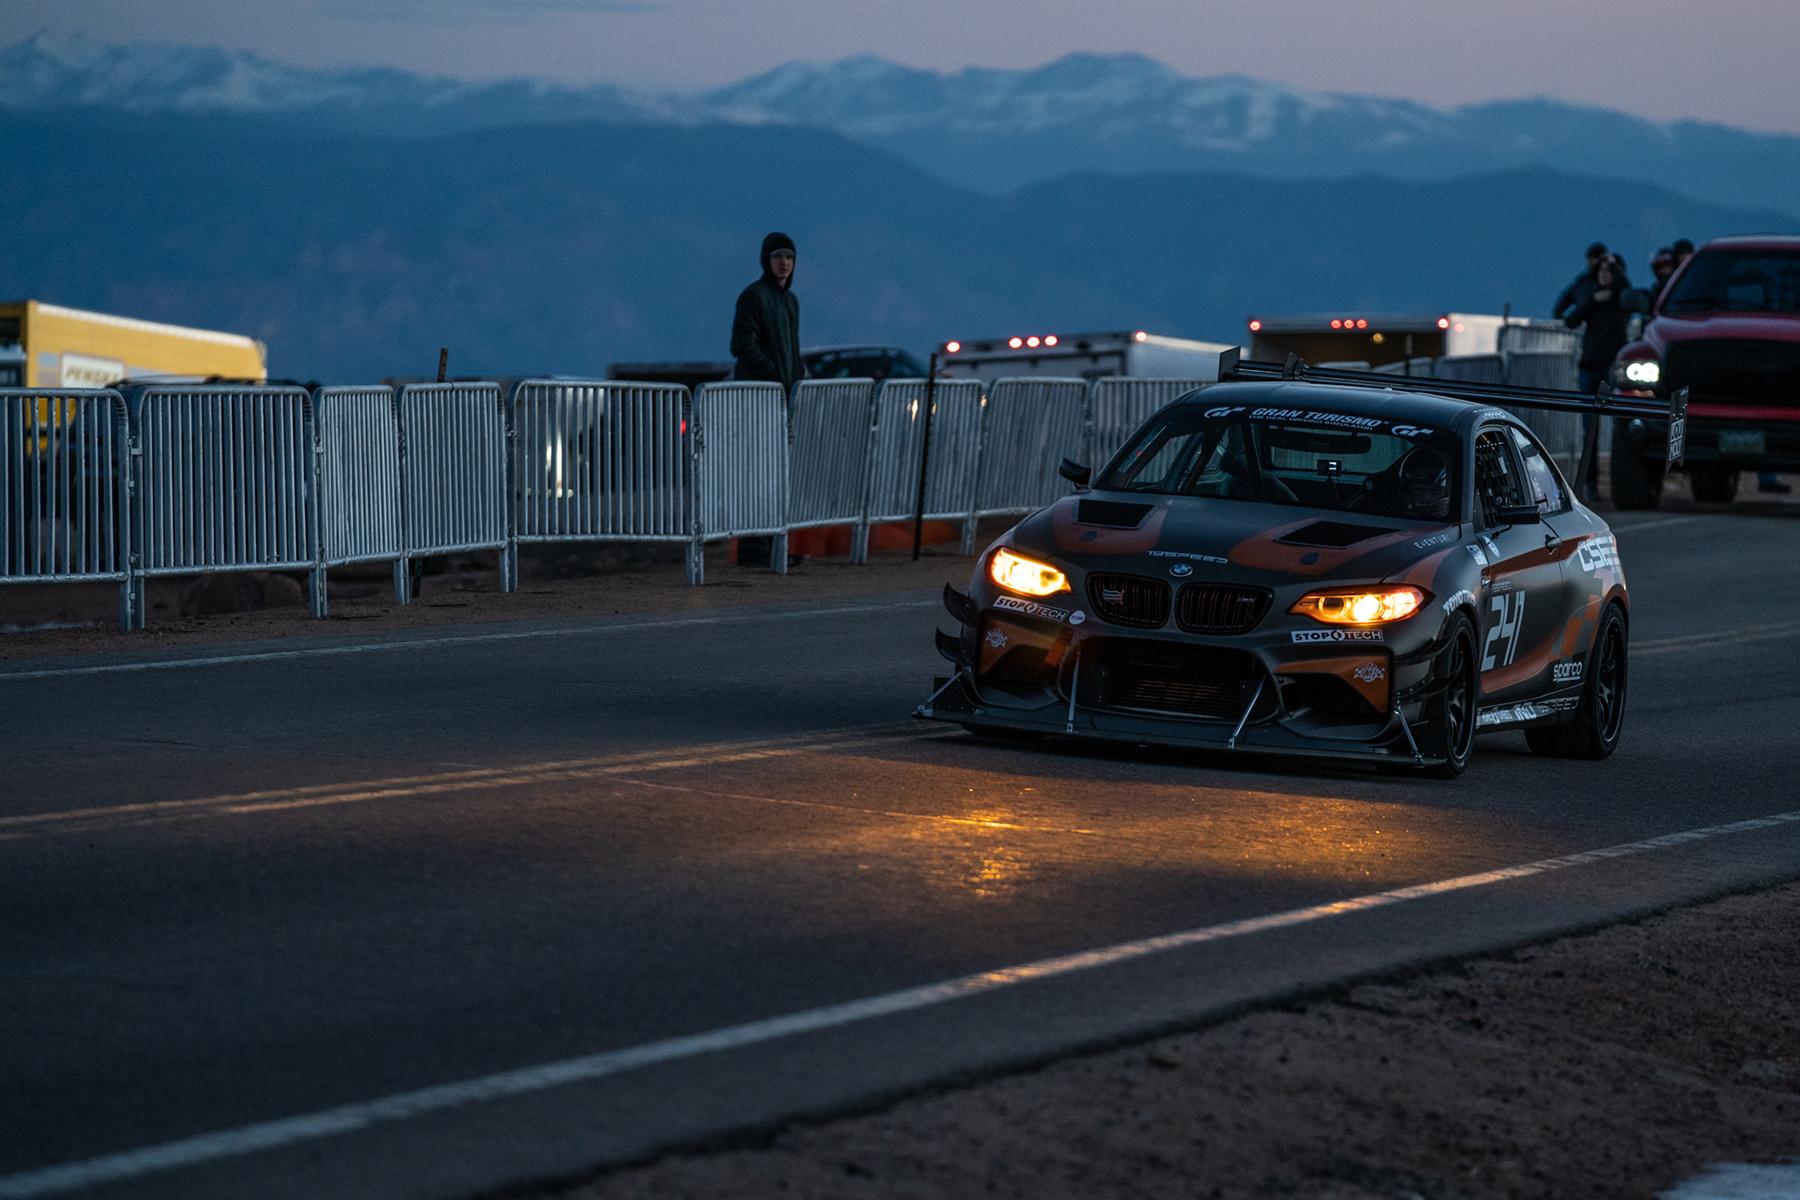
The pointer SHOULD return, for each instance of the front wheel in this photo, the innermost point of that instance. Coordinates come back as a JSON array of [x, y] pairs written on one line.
[[1449, 732], [1600, 712], [1712, 485]]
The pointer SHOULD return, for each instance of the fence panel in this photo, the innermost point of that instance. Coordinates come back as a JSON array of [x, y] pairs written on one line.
[[454, 472], [740, 456], [63, 496], [831, 423], [953, 462], [1538, 337], [1030, 427], [1118, 408], [1471, 368], [224, 481], [357, 443], [1560, 432]]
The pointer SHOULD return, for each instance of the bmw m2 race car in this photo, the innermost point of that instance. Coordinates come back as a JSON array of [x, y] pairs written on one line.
[[1308, 562]]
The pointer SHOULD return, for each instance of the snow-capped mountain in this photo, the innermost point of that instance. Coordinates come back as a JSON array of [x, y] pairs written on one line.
[[990, 130]]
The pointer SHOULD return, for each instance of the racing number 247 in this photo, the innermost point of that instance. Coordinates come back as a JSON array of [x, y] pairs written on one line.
[[1503, 635]]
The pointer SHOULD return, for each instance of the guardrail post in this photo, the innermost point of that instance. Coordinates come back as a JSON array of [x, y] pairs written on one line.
[[859, 540], [403, 564], [778, 550], [966, 546], [318, 592], [696, 549], [509, 554], [131, 596]]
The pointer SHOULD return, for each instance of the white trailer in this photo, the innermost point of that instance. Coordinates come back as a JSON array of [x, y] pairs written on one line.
[[1134, 353], [1378, 339]]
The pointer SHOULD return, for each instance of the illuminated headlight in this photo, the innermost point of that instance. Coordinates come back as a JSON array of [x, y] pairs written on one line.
[[1360, 606], [1641, 373], [1027, 576]]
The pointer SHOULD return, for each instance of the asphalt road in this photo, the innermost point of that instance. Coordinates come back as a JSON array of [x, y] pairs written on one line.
[[459, 909]]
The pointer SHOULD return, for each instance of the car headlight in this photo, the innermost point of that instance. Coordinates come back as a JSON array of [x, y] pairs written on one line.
[[1027, 576], [1360, 606], [1641, 373]]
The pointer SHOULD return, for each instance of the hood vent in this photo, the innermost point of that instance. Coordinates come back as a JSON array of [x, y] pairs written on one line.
[[1335, 534], [1112, 513]]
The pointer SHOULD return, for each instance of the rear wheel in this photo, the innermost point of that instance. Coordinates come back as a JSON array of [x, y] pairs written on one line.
[[1449, 732], [1637, 482], [1600, 712], [1712, 485]]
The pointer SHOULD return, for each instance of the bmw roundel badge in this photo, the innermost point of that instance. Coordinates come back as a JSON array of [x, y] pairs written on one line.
[[1182, 570]]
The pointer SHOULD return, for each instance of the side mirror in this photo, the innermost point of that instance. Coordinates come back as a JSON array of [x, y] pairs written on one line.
[[1075, 473], [1522, 514], [1634, 300]]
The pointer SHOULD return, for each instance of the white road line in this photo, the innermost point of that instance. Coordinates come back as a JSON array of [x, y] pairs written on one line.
[[1657, 523], [434, 785], [368, 1114], [222, 660], [1719, 637]]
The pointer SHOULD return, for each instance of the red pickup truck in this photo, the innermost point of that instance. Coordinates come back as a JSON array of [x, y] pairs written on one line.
[[1727, 328]]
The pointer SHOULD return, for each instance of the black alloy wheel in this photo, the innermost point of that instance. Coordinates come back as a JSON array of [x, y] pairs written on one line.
[[1599, 720], [1449, 732], [1712, 484], [1636, 481]]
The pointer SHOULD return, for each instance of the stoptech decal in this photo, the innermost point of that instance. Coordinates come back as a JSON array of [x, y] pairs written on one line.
[[1308, 636], [1567, 672], [1598, 553], [1031, 608], [1502, 643]]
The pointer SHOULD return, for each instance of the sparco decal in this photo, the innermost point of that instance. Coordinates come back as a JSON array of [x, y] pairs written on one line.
[[1370, 672], [1503, 635], [1338, 635], [1598, 553], [1032, 608], [1567, 672]]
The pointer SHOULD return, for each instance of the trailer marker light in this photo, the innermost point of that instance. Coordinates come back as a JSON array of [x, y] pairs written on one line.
[[1458, 327], [952, 347], [1255, 326], [1140, 336], [1033, 341], [1362, 323], [1336, 324], [1050, 339], [1016, 342], [1443, 322]]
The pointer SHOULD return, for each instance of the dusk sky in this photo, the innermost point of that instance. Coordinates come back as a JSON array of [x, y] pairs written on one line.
[[1731, 61]]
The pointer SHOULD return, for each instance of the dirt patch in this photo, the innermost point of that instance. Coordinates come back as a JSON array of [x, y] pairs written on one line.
[[1609, 1065], [555, 583]]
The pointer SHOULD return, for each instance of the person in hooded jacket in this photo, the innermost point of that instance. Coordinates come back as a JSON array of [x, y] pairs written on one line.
[[1603, 322], [765, 330]]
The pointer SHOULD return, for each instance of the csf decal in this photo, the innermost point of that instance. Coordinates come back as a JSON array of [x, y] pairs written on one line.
[[1567, 672], [1598, 553], [1310, 636], [1502, 644], [1031, 608]]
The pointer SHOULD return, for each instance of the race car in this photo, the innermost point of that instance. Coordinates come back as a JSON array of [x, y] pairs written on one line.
[[1313, 563]]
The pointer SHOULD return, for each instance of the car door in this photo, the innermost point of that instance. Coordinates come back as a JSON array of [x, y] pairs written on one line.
[[1523, 598], [1584, 545]]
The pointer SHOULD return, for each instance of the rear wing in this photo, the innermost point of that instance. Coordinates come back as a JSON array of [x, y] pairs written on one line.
[[1605, 402]]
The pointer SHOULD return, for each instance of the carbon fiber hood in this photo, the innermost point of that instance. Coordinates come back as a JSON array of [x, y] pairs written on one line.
[[1232, 541]]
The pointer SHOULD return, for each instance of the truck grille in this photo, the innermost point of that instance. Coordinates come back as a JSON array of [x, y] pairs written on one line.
[[1220, 608], [1167, 677], [1736, 370], [1130, 600]]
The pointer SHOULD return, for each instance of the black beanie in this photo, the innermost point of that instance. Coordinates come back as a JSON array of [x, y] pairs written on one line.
[[774, 242]]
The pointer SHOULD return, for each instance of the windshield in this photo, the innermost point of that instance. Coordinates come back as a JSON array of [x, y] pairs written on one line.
[[1308, 459], [1766, 281]]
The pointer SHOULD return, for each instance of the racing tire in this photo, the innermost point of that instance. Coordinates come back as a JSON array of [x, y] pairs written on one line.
[[1712, 485], [1599, 718], [998, 732], [1637, 482], [1449, 730]]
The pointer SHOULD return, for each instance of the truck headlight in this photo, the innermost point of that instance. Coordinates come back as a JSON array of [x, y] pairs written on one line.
[[1641, 373]]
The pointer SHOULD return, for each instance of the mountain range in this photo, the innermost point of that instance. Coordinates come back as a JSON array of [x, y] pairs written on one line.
[[558, 248], [985, 130]]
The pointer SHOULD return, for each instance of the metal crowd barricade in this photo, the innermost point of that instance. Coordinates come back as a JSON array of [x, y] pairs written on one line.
[[1118, 408], [831, 432], [222, 481], [454, 466], [1031, 425], [356, 441], [740, 469], [597, 461], [1561, 432], [954, 459], [64, 456]]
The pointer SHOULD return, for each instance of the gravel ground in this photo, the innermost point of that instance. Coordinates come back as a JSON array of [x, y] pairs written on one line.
[[1614, 1064]]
